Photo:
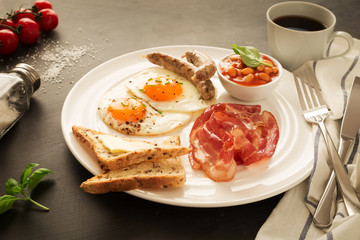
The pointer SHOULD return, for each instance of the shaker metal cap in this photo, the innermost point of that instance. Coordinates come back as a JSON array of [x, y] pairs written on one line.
[[30, 72]]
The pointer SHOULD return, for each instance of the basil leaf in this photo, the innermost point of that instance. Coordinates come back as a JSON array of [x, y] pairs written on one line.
[[6, 202], [26, 173], [12, 187], [36, 177], [249, 55]]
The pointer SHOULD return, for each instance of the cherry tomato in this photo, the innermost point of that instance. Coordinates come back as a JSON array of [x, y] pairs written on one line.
[[29, 30], [23, 13], [8, 41], [41, 4], [7, 22], [48, 20]]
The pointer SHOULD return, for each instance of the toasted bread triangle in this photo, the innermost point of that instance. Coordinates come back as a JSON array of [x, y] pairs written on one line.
[[154, 174], [114, 161]]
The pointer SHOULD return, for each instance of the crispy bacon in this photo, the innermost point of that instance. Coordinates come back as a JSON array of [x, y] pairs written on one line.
[[229, 134]]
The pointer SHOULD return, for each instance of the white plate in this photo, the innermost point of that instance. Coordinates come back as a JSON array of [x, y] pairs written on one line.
[[290, 164]]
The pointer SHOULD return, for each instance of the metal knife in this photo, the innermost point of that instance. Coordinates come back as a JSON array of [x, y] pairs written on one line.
[[350, 125]]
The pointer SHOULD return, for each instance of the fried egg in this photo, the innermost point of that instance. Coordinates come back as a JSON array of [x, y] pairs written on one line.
[[130, 115], [167, 91]]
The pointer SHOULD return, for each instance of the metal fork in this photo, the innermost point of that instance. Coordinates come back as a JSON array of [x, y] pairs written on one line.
[[315, 111]]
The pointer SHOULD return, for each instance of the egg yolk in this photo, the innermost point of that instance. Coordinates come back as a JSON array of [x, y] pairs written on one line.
[[162, 89], [127, 110]]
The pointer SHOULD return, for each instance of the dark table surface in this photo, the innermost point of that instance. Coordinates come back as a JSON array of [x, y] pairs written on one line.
[[90, 33]]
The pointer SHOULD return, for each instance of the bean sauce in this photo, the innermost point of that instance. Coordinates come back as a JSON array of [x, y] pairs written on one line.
[[234, 69]]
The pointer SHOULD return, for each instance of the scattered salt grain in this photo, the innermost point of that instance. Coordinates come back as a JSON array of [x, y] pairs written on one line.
[[60, 58], [56, 58]]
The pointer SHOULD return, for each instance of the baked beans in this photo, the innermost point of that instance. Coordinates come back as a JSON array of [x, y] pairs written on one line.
[[234, 69]]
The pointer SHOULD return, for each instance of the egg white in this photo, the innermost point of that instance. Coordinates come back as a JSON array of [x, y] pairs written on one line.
[[154, 122], [189, 101]]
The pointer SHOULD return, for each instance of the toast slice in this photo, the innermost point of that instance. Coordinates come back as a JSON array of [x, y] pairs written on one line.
[[152, 174], [109, 160]]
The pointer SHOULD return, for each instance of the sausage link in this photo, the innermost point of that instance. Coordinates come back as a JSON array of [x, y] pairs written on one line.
[[206, 89], [198, 59], [185, 69], [206, 67], [178, 66]]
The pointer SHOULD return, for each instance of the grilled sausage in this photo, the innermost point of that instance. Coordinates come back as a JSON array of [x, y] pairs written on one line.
[[206, 67], [185, 69], [176, 65]]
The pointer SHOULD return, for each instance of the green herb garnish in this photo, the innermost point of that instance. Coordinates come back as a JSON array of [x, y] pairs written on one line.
[[12, 187], [250, 56]]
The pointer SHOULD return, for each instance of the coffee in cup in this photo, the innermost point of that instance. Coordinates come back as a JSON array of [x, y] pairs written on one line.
[[301, 31]]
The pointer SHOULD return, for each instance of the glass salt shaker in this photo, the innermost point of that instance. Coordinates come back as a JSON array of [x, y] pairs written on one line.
[[16, 88]]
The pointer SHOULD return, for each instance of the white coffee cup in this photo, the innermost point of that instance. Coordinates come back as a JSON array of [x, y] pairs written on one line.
[[291, 47]]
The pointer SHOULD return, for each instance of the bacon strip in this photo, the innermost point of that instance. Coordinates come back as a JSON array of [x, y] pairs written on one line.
[[229, 134]]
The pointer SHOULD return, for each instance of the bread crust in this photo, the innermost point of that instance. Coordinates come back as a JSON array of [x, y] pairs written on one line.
[[113, 161], [160, 168], [161, 174]]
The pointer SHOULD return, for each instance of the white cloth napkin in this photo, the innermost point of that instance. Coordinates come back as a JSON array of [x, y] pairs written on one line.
[[292, 217]]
